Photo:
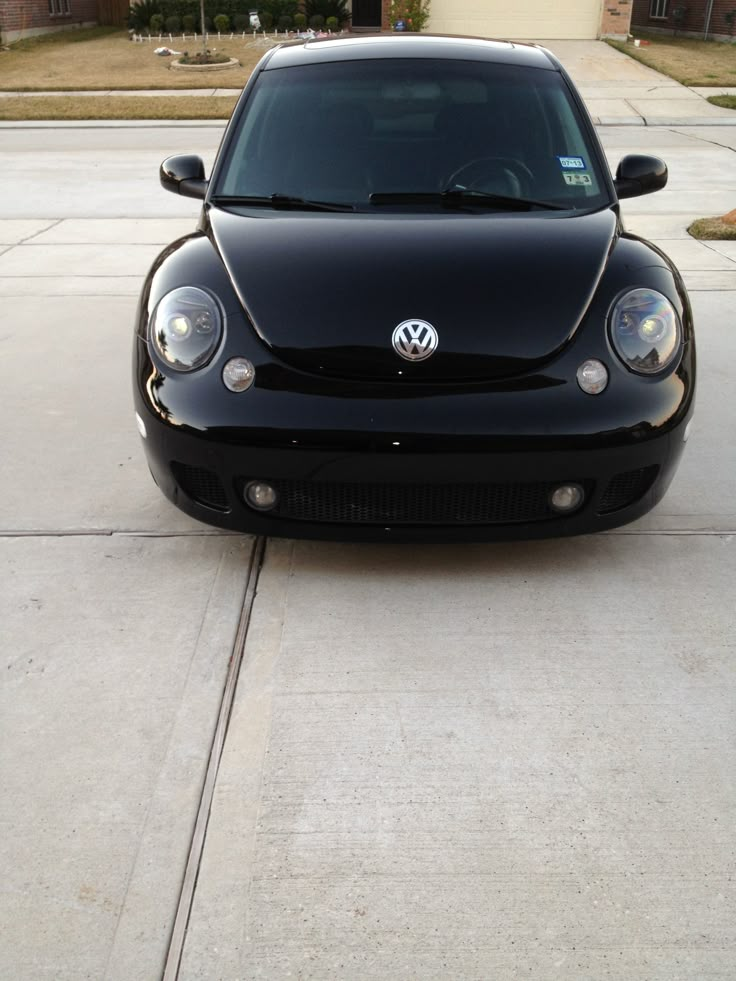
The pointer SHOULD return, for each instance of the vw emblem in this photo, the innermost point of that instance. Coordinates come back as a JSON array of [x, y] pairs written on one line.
[[415, 340]]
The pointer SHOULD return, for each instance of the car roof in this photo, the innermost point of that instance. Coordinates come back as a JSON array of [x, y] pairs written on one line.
[[432, 46]]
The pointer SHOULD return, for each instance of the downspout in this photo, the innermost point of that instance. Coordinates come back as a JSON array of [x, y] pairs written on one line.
[[708, 14]]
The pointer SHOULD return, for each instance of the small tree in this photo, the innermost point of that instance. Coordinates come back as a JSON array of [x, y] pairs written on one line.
[[414, 13], [222, 23]]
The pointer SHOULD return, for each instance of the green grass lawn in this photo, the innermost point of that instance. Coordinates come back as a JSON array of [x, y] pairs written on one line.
[[687, 60], [712, 229], [724, 101], [106, 58], [116, 107]]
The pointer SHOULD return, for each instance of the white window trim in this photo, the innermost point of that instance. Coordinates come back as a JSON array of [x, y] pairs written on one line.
[[658, 9]]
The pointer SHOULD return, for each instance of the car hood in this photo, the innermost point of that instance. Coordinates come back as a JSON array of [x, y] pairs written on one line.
[[325, 292]]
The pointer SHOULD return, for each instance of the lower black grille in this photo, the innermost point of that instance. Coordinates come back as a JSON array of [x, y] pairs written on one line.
[[203, 486], [626, 488], [413, 504]]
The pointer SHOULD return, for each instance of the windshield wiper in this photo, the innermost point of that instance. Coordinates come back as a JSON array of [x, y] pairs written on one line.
[[285, 201], [456, 197]]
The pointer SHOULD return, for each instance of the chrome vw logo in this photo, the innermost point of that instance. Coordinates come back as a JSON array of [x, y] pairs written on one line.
[[415, 340]]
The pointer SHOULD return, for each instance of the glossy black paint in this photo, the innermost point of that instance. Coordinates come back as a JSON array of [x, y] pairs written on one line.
[[380, 263], [184, 174], [639, 174], [519, 302]]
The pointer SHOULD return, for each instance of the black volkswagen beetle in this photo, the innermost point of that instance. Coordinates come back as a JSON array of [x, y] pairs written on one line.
[[410, 310]]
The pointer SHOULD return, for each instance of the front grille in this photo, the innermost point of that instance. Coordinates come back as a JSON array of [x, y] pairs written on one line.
[[413, 504], [626, 488], [201, 485]]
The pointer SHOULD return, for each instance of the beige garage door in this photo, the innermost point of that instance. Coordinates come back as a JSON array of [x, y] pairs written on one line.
[[517, 19]]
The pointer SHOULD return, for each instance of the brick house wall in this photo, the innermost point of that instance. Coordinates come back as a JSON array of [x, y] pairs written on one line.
[[616, 18], [23, 18], [385, 15], [692, 23]]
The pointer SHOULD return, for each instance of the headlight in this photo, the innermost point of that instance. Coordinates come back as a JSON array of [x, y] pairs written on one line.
[[186, 328], [645, 331]]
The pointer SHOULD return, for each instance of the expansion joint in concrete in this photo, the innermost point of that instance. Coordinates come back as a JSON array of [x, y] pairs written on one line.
[[199, 833]]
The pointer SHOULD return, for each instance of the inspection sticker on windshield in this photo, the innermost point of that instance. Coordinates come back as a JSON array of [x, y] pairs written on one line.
[[572, 163], [578, 179]]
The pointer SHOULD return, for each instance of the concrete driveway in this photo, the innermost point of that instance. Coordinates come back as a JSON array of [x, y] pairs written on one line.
[[622, 92], [462, 762]]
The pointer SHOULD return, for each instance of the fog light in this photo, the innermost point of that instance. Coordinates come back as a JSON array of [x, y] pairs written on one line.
[[238, 374], [261, 496], [592, 376], [566, 497], [141, 426]]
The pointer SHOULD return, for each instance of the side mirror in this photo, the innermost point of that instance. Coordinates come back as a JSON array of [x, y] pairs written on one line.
[[640, 174], [184, 174]]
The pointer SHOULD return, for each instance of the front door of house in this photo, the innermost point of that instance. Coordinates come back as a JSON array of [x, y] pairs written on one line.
[[367, 13]]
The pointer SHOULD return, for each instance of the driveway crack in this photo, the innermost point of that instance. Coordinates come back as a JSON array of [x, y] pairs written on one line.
[[636, 111], [702, 139]]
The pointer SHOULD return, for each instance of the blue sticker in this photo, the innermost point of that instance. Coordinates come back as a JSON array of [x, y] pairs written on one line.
[[572, 163]]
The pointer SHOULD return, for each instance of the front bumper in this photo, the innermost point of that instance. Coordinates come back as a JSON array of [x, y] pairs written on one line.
[[390, 494]]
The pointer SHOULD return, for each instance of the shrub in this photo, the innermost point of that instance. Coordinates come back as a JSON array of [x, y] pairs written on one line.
[[173, 24], [203, 58], [140, 14], [317, 21], [300, 21], [156, 23], [678, 16], [332, 23], [188, 12], [279, 8], [328, 8], [222, 23], [285, 22]]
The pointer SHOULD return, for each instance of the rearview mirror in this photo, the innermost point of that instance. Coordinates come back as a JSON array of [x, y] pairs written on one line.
[[640, 174], [184, 174]]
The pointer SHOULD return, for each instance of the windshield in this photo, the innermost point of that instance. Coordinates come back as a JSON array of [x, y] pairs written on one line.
[[343, 132]]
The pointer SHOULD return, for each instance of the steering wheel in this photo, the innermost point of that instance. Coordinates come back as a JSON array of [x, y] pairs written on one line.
[[482, 171]]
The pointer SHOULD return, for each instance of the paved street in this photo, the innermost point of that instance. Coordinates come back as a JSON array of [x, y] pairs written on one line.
[[478, 762]]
